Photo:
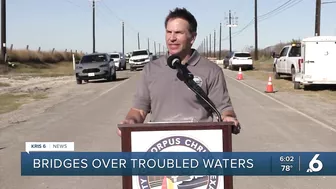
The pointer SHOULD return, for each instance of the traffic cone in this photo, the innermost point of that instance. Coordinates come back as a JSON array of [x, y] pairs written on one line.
[[240, 74], [167, 183], [269, 87], [164, 183]]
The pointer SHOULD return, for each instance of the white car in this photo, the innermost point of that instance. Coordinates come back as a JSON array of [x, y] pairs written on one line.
[[119, 60], [241, 59], [139, 59]]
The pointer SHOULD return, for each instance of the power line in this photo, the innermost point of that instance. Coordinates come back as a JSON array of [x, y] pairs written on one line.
[[278, 10], [328, 2], [123, 20]]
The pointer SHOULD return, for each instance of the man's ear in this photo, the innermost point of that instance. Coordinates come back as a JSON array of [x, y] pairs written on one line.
[[193, 37]]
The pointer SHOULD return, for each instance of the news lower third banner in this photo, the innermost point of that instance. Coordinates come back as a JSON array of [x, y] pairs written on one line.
[[177, 163]]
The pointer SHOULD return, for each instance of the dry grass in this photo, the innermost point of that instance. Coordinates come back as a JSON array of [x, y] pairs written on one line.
[[10, 102], [4, 84], [44, 69], [43, 63], [264, 64], [28, 56]]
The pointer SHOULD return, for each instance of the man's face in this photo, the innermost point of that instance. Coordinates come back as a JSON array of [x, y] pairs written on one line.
[[178, 37]]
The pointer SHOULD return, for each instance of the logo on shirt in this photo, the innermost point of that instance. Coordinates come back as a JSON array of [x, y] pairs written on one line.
[[172, 182], [198, 80]]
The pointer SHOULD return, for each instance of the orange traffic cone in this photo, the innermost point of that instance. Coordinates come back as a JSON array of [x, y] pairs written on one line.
[[240, 74], [164, 183], [269, 87], [167, 183]]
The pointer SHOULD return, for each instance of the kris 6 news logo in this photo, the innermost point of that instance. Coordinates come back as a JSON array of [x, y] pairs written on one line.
[[315, 165]]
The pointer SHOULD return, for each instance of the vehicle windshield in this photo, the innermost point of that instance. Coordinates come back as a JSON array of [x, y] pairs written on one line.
[[137, 53], [243, 55], [114, 56], [94, 58]]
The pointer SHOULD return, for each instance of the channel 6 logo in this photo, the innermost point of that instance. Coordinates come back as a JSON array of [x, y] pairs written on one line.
[[315, 165]]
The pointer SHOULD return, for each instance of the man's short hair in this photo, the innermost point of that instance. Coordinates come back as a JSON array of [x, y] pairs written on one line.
[[185, 15]]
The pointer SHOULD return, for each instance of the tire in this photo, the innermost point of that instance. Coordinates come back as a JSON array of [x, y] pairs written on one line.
[[293, 74], [79, 81], [296, 85], [114, 76], [276, 74], [110, 76]]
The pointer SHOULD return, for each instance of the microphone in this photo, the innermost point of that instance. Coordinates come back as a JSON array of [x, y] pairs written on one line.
[[174, 62]]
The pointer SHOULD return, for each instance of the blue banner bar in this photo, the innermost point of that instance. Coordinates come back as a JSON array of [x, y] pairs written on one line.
[[177, 163]]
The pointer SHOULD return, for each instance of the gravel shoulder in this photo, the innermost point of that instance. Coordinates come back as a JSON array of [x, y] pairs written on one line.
[[49, 91]]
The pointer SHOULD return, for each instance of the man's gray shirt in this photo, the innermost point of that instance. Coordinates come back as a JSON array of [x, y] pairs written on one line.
[[168, 99]]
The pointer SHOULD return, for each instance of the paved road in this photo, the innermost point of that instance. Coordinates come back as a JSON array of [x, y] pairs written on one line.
[[90, 121]]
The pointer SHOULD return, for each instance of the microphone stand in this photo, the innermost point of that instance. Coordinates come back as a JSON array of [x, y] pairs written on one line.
[[187, 78]]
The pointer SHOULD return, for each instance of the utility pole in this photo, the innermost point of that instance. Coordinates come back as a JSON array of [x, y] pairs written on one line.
[[207, 44], [230, 32], [214, 54], [318, 18], [123, 37], [3, 31], [159, 49], [154, 47], [231, 24], [148, 43], [256, 57], [94, 26], [210, 45], [138, 40], [204, 47], [220, 41]]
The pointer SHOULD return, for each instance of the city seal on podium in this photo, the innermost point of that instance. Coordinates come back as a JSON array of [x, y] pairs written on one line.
[[178, 182]]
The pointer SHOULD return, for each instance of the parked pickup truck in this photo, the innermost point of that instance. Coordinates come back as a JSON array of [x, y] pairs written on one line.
[[288, 62]]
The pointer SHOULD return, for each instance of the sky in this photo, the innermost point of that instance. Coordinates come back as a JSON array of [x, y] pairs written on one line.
[[68, 24]]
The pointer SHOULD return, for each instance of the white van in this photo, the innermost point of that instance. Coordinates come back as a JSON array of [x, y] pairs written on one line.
[[319, 61]]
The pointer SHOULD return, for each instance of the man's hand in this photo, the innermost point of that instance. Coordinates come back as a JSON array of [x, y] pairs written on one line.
[[236, 128], [133, 116], [126, 121], [231, 119]]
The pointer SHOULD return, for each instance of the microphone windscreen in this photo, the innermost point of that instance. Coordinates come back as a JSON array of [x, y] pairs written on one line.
[[171, 59]]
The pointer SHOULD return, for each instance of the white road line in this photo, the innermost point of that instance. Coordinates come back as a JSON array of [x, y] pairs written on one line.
[[105, 92], [285, 105], [114, 87]]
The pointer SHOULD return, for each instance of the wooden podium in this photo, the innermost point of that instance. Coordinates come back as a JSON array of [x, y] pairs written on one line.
[[156, 137]]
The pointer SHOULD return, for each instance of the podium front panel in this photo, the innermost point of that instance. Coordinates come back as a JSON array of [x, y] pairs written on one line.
[[178, 137], [176, 141]]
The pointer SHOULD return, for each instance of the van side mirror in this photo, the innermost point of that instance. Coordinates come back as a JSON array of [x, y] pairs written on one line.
[[76, 61], [111, 60]]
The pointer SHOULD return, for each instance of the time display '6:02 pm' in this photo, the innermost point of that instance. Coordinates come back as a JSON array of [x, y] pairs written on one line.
[[286, 158]]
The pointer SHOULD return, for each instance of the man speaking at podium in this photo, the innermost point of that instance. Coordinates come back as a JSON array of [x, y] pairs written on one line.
[[168, 99]]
